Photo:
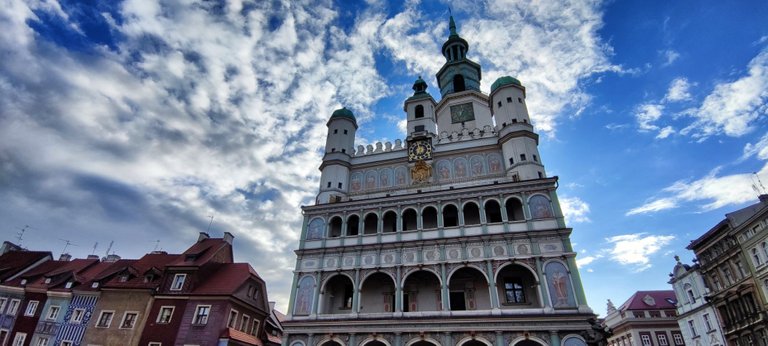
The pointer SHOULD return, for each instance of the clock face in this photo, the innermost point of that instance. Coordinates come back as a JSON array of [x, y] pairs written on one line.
[[420, 150], [463, 112]]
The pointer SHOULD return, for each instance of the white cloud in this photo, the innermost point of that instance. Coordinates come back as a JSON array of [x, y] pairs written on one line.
[[574, 209], [635, 249], [759, 149], [713, 190], [732, 107], [678, 90], [584, 261], [647, 114], [665, 132], [670, 56]]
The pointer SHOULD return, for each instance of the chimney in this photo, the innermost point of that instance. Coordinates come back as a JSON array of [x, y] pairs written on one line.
[[228, 237], [763, 198], [93, 257], [202, 236], [111, 258], [65, 257]]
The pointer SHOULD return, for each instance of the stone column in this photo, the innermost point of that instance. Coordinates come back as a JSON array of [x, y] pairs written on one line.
[[554, 339], [492, 285], [316, 299], [444, 288]]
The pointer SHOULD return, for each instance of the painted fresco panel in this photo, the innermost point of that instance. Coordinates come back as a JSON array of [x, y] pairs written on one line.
[[316, 229], [559, 284], [540, 207], [304, 296], [477, 165]]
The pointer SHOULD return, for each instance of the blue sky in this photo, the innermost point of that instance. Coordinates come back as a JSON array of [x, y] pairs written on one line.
[[133, 121]]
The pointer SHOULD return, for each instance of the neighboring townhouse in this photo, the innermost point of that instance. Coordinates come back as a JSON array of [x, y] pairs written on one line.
[[125, 298], [273, 327], [14, 261], [696, 318], [647, 318]]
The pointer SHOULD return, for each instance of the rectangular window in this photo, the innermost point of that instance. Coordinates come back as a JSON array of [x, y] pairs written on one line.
[[329, 184], [692, 328], [662, 338], [509, 100], [514, 290], [3, 334], [2, 307], [535, 158], [152, 343], [31, 308], [740, 267], [105, 319], [129, 320], [499, 103], [201, 314], [244, 323], [42, 341], [345, 132], [178, 282], [418, 128], [340, 185], [646, 339], [654, 313], [77, 316], [638, 314], [66, 343], [165, 314], [53, 312], [335, 131], [520, 99], [511, 161], [522, 157], [232, 318], [541, 175], [19, 339], [255, 328], [13, 306], [707, 322]]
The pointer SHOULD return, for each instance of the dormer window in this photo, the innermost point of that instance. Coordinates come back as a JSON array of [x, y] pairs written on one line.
[[23, 281], [95, 284], [178, 282], [68, 285], [123, 278], [47, 280]]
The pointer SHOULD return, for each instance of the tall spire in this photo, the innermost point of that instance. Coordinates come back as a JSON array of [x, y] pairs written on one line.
[[452, 25]]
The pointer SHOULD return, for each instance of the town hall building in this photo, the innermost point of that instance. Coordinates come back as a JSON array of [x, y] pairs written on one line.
[[454, 237]]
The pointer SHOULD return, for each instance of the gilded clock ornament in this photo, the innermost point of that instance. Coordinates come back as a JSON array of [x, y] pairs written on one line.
[[420, 150]]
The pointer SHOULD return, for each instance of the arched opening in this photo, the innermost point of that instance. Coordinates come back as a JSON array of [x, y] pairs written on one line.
[[517, 288], [423, 343], [377, 294], [353, 225], [335, 227], [471, 214], [474, 343], [409, 220], [421, 292], [492, 211], [371, 224], [331, 343], [514, 209], [450, 216], [337, 295], [390, 222], [527, 343], [429, 218], [469, 290], [458, 83], [375, 343], [419, 112]]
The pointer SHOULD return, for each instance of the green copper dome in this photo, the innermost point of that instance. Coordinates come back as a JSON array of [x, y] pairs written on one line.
[[502, 81], [343, 113]]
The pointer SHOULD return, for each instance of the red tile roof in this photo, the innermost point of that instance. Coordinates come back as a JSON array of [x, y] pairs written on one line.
[[650, 300], [13, 262], [224, 278], [203, 251], [237, 335]]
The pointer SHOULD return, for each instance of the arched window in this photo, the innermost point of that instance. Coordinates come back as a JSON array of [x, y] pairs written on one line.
[[471, 214], [765, 249], [492, 211], [335, 230], [409, 220], [689, 293], [450, 216], [371, 224], [429, 218], [458, 83], [756, 258], [390, 222], [419, 112], [514, 209], [353, 225]]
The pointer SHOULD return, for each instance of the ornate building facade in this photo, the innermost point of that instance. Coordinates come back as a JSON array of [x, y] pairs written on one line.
[[733, 260], [695, 316], [647, 318], [453, 237]]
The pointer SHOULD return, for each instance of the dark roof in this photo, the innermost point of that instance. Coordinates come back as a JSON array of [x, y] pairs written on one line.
[[35, 273], [732, 220], [136, 270], [658, 300], [225, 278], [203, 252], [11, 263], [505, 80]]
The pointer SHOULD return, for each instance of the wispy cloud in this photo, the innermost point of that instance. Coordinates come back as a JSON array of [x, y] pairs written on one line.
[[678, 90], [670, 56], [636, 249], [574, 209], [647, 114], [758, 149]]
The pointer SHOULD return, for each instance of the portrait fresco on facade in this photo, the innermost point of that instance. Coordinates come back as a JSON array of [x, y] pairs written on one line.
[[316, 229], [401, 175], [460, 167], [385, 177], [477, 165], [444, 170], [574, 341], [559, 285], [370, 180], [304, 296], [494, 163], [356, 182], [540, 207]]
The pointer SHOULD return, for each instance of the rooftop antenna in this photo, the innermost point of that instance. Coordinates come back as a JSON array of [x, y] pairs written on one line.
[[209, 224], [758, 187], [157, 243], [67, 243], [110, 247], [95, 245], [20, 234]]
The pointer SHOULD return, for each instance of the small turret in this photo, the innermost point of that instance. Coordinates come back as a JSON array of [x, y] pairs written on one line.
[[339, 146], [420, 109], [459, 73], [519, 143]]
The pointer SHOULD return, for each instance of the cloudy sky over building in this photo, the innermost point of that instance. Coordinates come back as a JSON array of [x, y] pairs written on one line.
[[135, 121]]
